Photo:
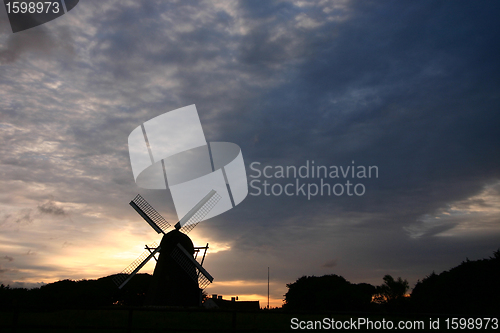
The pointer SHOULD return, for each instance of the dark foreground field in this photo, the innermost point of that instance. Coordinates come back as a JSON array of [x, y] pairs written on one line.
[[174, 320]]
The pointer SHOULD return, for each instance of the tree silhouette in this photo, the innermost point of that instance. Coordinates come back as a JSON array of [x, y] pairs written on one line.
[[391, 290], [471, 287], [328, 292]]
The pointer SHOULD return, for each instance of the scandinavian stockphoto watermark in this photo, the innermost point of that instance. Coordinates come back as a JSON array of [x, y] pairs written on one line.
[[310, 180], [170, 152]]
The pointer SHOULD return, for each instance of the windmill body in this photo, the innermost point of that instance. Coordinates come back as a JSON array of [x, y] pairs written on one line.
[[172, 284], [178, 278]]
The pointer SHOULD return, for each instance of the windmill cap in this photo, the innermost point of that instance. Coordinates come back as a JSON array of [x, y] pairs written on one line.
[[174, 237]]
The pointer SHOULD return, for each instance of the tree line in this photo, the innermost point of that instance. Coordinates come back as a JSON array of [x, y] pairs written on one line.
[[472, 287]]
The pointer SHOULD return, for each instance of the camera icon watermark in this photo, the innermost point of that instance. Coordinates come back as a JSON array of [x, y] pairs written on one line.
[[170, 151]]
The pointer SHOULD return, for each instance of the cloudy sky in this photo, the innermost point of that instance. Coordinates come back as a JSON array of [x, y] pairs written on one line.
[[412, 88]]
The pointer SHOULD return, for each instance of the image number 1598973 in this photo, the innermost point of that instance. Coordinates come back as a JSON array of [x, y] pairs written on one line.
[[28, 14], [22, 7]]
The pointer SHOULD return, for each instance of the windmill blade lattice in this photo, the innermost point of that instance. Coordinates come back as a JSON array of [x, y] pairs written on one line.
[[201, 213], [121, 279], [152, 217], [191, 267]]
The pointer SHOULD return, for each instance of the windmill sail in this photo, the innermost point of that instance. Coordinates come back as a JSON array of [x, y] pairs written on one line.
[[191, 267], [172, 248], [198, 212], [148, 213], [121, 279]]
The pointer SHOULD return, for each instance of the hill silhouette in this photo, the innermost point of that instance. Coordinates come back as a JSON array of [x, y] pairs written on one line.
[[68, 294]]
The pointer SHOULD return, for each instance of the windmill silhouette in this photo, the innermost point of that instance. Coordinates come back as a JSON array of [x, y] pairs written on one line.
[[178, 278]]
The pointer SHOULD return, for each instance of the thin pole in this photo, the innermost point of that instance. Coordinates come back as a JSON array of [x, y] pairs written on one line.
[[268, 288]]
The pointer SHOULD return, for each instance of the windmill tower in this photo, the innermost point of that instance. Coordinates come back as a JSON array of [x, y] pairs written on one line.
[[178, 278]]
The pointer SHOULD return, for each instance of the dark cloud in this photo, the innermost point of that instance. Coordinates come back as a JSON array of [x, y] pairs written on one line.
[[21, 217], [51, 208], [7, 270], [330, 263], [23, 285], [38, 42]]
